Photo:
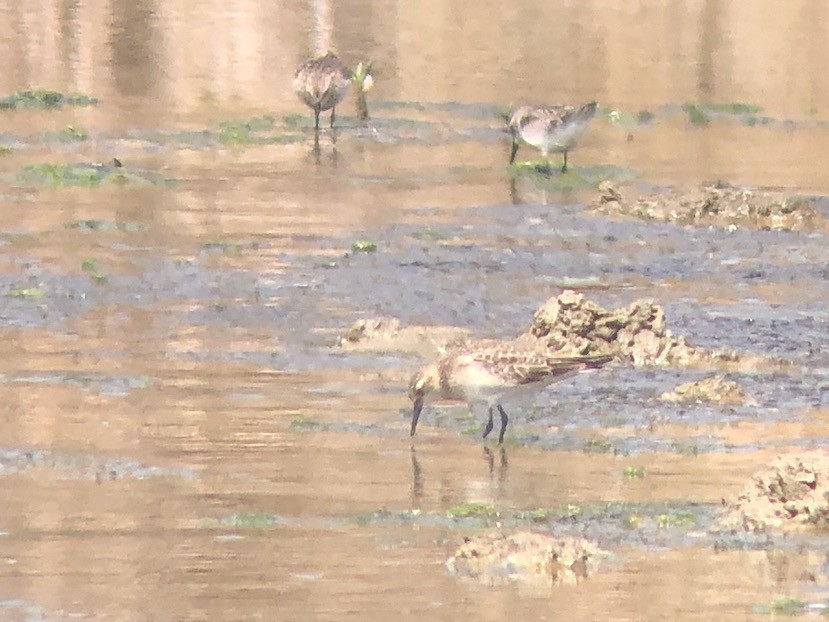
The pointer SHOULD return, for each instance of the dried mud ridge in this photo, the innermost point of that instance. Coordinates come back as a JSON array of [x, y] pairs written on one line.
[[715, 205], [791, 492], [497, 559], [570, 324]]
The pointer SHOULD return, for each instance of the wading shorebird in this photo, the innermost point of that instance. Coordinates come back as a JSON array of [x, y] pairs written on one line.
[[550, 128], [321, 83], [480, 373]]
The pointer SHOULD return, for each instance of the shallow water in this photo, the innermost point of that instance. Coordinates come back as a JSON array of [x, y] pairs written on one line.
[[181, 441]]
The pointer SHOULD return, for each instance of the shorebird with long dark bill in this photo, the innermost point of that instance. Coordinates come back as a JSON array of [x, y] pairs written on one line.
[[550, 128], [322, 83], [484, 374]]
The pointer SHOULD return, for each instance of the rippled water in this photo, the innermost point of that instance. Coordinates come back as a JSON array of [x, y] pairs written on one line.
[[181, 441]]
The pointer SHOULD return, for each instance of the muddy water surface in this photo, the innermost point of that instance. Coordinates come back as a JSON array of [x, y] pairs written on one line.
[[182, 441]]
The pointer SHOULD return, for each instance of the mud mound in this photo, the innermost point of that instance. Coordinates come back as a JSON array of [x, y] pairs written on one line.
[[715, 205], [572, 325], [793, 491], [497, 559], [715, 389]]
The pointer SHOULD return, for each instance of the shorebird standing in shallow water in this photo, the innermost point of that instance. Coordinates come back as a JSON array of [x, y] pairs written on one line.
[[550, 128], [321, 83], [479, 373]]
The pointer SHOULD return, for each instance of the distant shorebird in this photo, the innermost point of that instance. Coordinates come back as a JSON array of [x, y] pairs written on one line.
[[484, 373], [321, 83], [550, 128]]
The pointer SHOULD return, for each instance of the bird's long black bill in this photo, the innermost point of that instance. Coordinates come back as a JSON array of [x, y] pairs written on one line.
[[418, 406]]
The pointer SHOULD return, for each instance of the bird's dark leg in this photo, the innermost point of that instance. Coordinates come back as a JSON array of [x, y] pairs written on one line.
[[514, 148], [564, 166], [504, 421], [316, 117], [488, 427], [332, 117]]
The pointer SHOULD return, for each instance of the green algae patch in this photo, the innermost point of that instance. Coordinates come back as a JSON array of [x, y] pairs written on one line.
[[567, 512], [30, 293], [634, 472], [696, 115], [294, 121], [625, 119], [784, 607], [700, 115], [472, 510], [685, 449], [547, 175], [429, 235], [225, 248], [249, 520], [598, 446], [93, 224], [44, 100], [262, 130], [91, 268], [364, 246], [86, 175], [735, 108], [382, 516], [303, 423], [538, 515], [243, 132], [675, 519], [60, 175], [69, 134]]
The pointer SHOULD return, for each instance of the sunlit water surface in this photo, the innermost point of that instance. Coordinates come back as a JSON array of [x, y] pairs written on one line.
[[181, 442]]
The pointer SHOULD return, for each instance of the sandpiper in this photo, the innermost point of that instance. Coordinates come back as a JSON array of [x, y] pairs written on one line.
[[486, 373], [321, 83], [550, 128]]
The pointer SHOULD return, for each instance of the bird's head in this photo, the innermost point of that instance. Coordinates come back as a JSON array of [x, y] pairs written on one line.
[[424, 383], [422, 387]]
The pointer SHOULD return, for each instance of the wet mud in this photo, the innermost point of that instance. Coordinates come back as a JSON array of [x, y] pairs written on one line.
[[210, 315]]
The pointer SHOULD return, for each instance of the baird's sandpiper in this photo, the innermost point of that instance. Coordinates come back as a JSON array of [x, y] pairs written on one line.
[[321, 83], [550, 128], [484, 373]]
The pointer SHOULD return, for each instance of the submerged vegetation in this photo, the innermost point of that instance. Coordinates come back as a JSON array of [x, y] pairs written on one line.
[[44, 99], [700, 115]]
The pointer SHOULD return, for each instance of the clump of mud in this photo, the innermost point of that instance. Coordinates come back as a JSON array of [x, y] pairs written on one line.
[[497, 559], [715, 205], [793, 491], [571, 325], [381, 334], [372, 328], [714, 389]]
